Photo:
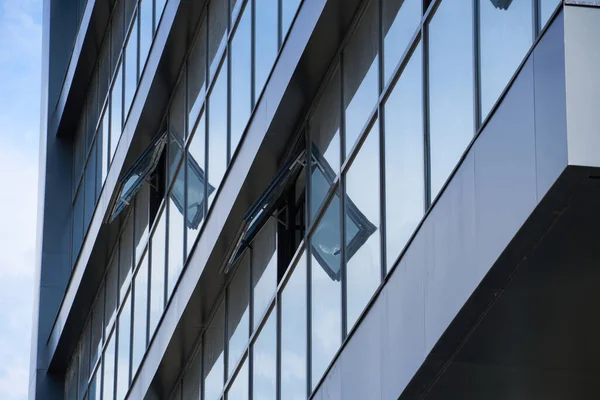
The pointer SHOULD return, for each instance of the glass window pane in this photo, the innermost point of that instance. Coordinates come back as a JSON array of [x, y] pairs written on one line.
[[77, 224], [234, 6], [505, 37], [108, 382], [97, 327], [213, 355], [140, 312], [111, 291], [264, 268], [196, 184], [159, 7], [361, 86], [288, 12], [241, 77], [217, 32], [196, 75], [104, 71], [157, 277], [176, 128], [266, 46], [90, 188], [325, 135], [547, 7], [141, 215], [363, 254], [217, 130], [91, 110], [239, 388], [84, 360], [124, 346], [404, 157], [116, 33], [450, 88], [116, 113], [326, 309], [131, 64], [78, 152], [190, 383], [146, 34], [95, 385], [293, 334], [238, 310], [125, 257], [264, 372], [176, 245], [103, 135], [401, 19]]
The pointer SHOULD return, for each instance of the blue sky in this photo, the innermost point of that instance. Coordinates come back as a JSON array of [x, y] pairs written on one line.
[[20, 73]]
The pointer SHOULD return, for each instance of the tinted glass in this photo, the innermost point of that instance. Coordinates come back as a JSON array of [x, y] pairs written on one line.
[[124, 346], [361, 86], [97, 327], [547, 7], [141, 223], [196, 184], [241, 77], [176, 129], [293, 334], [116, 103], [217, 130], [126, 257], [116, 32], [238, 312], [90, 188], [265, 41], [140, 312], [190, 383], [77, 224], [264, 268], [239, 387], [95, 386], [404, 157], [213, 355], [326, 291], [325, 135], [196, 75], [264, 372], [103, 135], [176, 244], [401, 19], [217, 32], [506, 34], [131, 55], [159, 6], [111, 292], [363, 251], [450, 88], [108, 383], [146, 33], [157, 274], [288, 12]]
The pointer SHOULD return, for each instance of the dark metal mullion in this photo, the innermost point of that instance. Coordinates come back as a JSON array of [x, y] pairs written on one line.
[[279, 24], [425, 96], [342, 191], [307, 242], [250, 325], [227, 68], [476, 69], [252, 54], [277, 312], [535, 5], [381, 122], [225, 337]]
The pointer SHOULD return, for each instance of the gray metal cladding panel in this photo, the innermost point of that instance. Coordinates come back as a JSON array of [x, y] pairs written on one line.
[[455, 270], [550, 106], [361, 359], [505, 170], [331, 387]]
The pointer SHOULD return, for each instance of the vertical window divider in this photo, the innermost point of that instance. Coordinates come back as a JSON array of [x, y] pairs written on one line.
[[381, 122], [148, 290], [535, 5], [279, 23], [154, 24], [252, 54], [138, 13], [278, 344], [342, 194], [476, 68], [425, 89], [307, 241], [250, 325]]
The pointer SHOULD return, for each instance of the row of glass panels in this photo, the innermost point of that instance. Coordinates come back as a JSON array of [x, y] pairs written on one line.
[[121, 60], [371, 141], [111, 347]]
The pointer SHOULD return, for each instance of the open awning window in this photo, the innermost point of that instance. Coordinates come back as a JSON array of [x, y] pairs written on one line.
[[140, 172]]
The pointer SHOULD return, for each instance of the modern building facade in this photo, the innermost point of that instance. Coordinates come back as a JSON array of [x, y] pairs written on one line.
[[318, 199]]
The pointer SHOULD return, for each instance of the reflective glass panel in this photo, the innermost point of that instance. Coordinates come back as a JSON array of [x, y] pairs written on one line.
[[146, 33], [124, 346], [190, 383], [265, 42], [111, 290], [404, 157], [108, 382], [217, 32], [97, 327], [264, 268], [196, 75], [547, 7], [103, 135], [217, 130], [293, 334], [326, 294], [176, 244], [450, 88], [157, 274], [239, 388], [176, 129], [401, 19], [141, 223], [90, 188], [159, 6], [325, 136], [238, 312], [77, 224], [506, 33], [264, 371], [241, 77], [125, 257], [288, 12], [95, 385], [116, 117], [361, 86], [213, 355], [363, 251], [84, 360], [116, 33], [140, 312], [131, 63], [196, 184]]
